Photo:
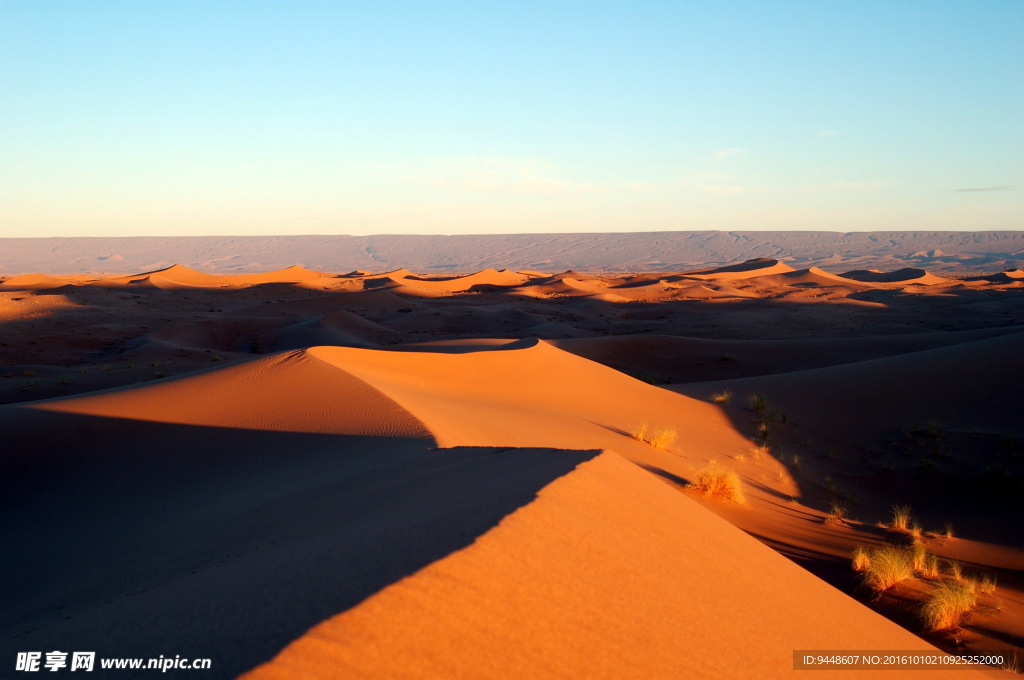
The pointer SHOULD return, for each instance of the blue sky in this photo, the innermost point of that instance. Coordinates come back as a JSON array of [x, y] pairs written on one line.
[[182, 118]]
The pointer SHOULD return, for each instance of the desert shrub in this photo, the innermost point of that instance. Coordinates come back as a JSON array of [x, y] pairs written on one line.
[[837, 511], [955, 570], [639, 432], [918, 557], [722, 397], [714, 480], [663, 438], [948, 530], [888, 566], [946, 605], [987, 585], [660, 439], [861, 558], [758, 403], [931, 567], [900, 516]]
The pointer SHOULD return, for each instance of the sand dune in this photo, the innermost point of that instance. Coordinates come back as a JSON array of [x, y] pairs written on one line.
[[339, 327], [907, 275], [487, 278], [462, 401], [298, 469], [613, 602], [33, 282], [744, 270], [954, 385], [667, 359]]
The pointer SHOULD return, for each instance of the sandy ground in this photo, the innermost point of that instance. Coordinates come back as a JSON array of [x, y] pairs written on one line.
[[302, 474]]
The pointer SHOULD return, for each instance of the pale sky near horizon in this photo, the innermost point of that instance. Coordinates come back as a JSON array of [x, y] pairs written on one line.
[[315, 117]]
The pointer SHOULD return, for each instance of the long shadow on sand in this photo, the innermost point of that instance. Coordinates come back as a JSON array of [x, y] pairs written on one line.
[[141, 539]]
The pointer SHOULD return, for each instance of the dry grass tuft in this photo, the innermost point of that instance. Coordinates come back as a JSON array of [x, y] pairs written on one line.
[[659, 439], [714, 480], [900, 516], [987, 585], [838, 511], [918, 557], [948, 530], [931, 567], [663, 438], [888, 566], [723, 397], [760, 450], [946, 605], [956, 570], [639, 432], [861, 558]]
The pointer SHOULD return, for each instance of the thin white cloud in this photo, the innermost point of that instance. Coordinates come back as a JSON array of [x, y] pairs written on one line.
[[1005, 187], [723, 154]]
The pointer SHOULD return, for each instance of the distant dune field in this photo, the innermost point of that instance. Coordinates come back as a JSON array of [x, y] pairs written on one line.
[[366, 471]]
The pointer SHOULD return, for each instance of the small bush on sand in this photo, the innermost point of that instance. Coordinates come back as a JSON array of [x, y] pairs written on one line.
[[722, 397], [861, 558], [714, 480], [918, 557], [758, 403], [837, 511], [663, 438], [948, 530], [987, 585], [931, 567], [946, 605], [888, 566], [916, 532], [900, 516], [955, 570], [639, 432], [659, 439]]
